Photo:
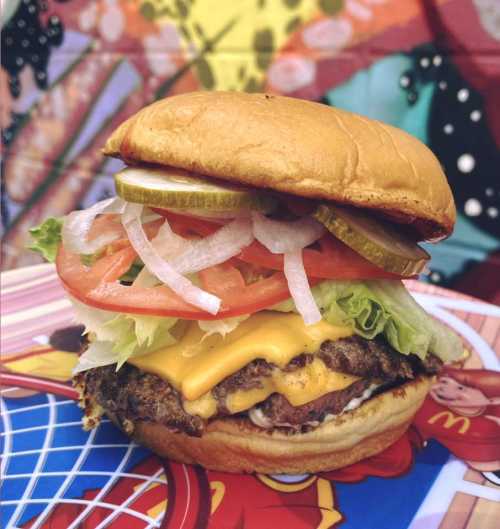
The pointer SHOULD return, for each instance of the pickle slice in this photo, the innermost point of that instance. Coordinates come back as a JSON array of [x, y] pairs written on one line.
[[174, 188], [376, 240]]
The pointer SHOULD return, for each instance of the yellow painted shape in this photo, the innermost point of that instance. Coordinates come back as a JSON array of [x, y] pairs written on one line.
[[155, 511], [329, 515], [237, 49], [54, 365], [219, 489], [450, 419]]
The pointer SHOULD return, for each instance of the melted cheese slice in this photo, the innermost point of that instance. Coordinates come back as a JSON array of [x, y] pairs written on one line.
[[298, 387], [195, 364]]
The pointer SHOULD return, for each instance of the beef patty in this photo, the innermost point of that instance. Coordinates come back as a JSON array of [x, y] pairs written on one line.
[[131, 394]]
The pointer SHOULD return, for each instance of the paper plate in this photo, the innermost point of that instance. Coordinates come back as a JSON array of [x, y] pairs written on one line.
[[443, 474]]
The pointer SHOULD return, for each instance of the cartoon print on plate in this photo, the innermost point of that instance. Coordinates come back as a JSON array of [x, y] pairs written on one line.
[[463, 413]]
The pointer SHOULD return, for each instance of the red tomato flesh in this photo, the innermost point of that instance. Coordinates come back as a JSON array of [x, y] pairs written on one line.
[[98, 287], [333, 260]]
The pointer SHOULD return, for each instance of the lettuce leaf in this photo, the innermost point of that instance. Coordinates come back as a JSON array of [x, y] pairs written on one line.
[[46, 238], [115, 337], [97, 354], [222, 327], [137, 334], [384, 307]]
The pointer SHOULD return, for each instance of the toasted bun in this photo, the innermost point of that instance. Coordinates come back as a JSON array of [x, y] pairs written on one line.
[[293, 146], [236, 445]]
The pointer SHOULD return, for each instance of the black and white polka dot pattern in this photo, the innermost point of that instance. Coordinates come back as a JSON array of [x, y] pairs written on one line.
[[459, 136]]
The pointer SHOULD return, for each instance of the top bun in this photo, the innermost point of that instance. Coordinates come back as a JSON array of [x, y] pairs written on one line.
[[293, 146]]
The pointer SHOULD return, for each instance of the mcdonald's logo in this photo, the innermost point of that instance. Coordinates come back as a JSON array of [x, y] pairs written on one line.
[[450, 419]]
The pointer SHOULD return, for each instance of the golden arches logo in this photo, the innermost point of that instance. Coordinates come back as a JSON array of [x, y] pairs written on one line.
[[219, 489], [450, 419]]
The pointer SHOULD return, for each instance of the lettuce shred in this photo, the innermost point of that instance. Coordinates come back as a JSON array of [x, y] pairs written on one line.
[[46, 238], [115, 337], [387, 308], [371, 308]]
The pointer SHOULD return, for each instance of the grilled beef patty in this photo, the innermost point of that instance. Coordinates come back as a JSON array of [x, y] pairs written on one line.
[[279, 411], [131, 394]]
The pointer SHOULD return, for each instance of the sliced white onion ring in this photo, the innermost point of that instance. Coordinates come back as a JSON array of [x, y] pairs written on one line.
[[299, 287], [149, 216], [77, 225], [290, 238], [281, 237], [131, 220], [168, 244], [190, 256], [214, 249]]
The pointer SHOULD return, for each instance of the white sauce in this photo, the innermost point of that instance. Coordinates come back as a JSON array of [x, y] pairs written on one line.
[[258, 417]]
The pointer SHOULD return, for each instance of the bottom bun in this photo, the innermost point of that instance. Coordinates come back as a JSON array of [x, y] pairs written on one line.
[[234, 444]]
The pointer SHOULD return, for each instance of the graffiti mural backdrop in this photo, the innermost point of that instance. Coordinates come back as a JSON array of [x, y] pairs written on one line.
[[73, 69]]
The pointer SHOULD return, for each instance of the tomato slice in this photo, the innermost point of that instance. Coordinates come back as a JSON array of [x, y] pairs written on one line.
[[188, 226], [98, 287], [226, 282], [333, 259], [111, 223]]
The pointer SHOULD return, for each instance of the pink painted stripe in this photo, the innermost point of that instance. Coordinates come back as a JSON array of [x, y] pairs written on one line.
[[26, 342], [41, 282], [24, 298], [26, 305], [54, 314], [25, 339], [38, 328], [41, 327], [7, 284], [38, 384]]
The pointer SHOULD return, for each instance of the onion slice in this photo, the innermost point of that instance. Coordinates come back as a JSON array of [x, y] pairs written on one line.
[[281, 237], [299, 287], [214, 249], [168, 244], [77, 225], [289, 238], [190, 256], [131, 220]]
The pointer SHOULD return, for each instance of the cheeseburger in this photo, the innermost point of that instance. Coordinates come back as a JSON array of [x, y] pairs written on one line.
[[243, 296]]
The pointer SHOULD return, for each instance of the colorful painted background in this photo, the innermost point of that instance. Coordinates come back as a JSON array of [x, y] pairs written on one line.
[[74, 69]]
